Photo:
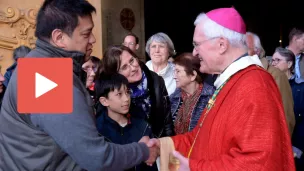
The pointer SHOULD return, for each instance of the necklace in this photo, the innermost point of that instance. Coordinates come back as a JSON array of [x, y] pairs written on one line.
[[209, 106]]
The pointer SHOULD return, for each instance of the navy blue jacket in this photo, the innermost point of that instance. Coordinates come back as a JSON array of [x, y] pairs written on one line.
[[8, 73], [298, 98], [132, 132], [176, 100]]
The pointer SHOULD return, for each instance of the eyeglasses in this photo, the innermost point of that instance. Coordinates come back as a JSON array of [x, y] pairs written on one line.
[[90, 69], [127, 67], [197, 44], [276, 60], [128, 44]]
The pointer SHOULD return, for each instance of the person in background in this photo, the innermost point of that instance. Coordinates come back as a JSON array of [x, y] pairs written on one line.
[[131, 41], [160, 47], [284, 60], [58, 141], [19, 52], [255, 47], [191, 95], [2, 87], [91, 67], [149, 97], [115, 122], [296, 45]]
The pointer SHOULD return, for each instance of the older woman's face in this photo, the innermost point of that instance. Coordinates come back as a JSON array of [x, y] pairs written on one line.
[[279, 62], [129, 67], [181, 77], [90, 69], [159, 53]]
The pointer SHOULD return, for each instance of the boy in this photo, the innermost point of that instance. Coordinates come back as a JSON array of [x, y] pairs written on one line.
[[113, 121]]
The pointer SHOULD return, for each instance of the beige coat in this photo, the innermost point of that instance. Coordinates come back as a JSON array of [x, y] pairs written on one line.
[[286, 93]]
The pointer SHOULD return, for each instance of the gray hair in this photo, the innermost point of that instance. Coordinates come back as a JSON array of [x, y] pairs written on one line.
[[287, 54], [161, 38], [212, 30], [258, 48], [21, 52]]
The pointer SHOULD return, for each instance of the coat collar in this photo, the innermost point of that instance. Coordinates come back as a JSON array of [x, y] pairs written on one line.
[[164, 72], [236, 66], [77, 57]]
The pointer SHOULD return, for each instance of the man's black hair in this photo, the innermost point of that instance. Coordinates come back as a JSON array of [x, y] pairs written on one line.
[[61, 14], [107, 83]]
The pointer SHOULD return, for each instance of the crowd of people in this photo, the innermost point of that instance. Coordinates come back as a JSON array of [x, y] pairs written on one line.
[[221, 107]]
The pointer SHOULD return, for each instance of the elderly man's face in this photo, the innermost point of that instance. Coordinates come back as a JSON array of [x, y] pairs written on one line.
[[1, 83], [205, 50]]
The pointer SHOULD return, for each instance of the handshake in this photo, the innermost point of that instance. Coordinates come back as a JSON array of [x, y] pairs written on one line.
[[154, 148], [181, 163]]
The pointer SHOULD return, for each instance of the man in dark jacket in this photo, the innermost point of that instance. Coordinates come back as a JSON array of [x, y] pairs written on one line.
[[61, 141]]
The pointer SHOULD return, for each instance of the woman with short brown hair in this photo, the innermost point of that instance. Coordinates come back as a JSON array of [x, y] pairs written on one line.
[[191, 94]]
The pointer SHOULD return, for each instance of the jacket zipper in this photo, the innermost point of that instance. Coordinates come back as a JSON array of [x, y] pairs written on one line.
[[145, 129]]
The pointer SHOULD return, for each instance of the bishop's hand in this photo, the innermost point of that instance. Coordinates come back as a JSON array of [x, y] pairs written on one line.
[[183, 161]]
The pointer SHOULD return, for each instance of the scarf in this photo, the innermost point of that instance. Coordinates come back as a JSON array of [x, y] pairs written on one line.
[[184, 115], [140, 94]]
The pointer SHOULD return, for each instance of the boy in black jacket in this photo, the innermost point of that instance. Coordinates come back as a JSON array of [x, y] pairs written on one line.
[[114, 121]]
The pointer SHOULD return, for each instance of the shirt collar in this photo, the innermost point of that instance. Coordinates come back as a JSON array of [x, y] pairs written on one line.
[[236, 66], [164, 71], [298, 56]]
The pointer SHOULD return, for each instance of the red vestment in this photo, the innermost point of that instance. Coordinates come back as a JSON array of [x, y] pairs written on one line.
[[245, 129]]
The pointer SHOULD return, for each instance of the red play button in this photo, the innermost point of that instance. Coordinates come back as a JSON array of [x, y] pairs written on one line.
[[45, 85]]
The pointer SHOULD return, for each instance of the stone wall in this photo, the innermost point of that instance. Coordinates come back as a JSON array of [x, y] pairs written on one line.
[[112, 30]]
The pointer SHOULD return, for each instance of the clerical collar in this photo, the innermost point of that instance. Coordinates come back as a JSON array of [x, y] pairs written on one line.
[[239, 64]]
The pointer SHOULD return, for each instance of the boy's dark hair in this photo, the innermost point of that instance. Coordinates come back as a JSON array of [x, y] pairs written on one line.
[[132, 34], [107, 83], [21, 52], [61, 14]]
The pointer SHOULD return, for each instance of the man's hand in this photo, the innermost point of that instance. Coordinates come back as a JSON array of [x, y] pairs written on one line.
[[153, 145], [153, 150], [153, 155], [144, 139], [184, 162], [154, 142]]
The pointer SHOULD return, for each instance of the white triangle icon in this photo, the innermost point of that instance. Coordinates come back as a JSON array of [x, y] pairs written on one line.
[[43, 85]]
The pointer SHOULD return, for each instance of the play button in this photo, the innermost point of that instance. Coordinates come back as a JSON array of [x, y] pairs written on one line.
[[43, 85]]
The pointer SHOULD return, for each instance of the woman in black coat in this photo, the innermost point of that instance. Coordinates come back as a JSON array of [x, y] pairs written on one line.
[[149, 96]]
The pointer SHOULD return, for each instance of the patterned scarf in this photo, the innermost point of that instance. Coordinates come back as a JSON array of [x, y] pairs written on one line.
[[184, 114], [140, 94]]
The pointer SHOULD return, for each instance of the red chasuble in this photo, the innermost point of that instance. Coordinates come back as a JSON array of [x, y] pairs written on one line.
[[244, 130]]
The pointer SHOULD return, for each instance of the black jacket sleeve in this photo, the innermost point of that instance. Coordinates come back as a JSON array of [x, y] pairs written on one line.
[[169, 127]]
